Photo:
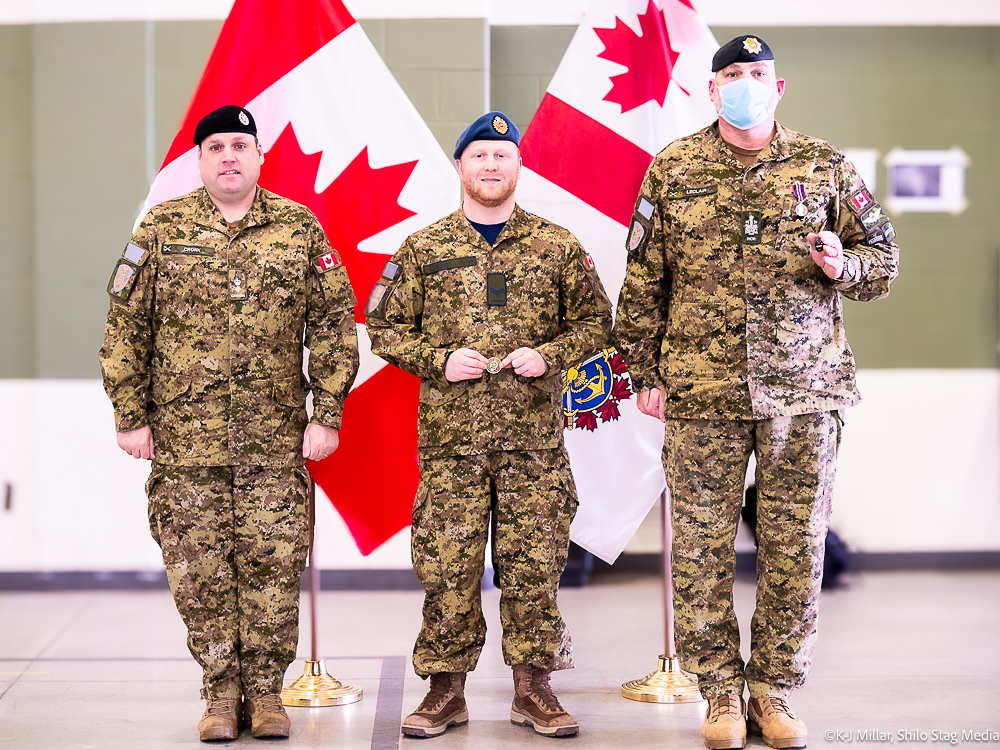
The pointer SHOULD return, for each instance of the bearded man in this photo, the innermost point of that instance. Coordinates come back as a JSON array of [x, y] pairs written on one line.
[[487, 306]]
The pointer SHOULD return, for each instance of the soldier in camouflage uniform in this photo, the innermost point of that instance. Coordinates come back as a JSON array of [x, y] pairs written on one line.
[[745, 238], [487, 306], [202, 359]]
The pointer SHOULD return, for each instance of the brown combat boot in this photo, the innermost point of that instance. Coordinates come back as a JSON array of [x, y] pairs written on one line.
[[221, 720], [773, 719], [266, 716], [442, 707], [724, 725], [535, 704]]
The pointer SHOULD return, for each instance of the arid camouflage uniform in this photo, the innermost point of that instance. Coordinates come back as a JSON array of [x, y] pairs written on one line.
[[496, 440], [724, 306], [203, 343]]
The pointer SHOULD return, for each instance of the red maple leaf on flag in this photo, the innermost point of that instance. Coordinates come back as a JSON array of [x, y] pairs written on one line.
[[358, 204], [649, 58], [621, 390], [617, 364]]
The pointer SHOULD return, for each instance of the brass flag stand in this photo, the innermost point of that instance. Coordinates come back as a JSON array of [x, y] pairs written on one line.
[[316, 687], [669, 683]]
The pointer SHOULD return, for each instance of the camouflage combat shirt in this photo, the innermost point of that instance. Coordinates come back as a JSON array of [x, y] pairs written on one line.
[[722, 302], [446, 288], [204, 336]]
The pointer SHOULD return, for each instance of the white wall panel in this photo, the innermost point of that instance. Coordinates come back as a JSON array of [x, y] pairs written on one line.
[[919, 472]]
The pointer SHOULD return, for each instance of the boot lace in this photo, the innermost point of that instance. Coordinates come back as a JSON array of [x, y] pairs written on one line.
[[221, 706], [775, 705], [543, 692], [439, 694], [729, 703], [269, 702]]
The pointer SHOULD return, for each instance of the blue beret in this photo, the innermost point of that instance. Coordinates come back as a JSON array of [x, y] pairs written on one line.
[[493, 126], [227, 119], [742, 49]]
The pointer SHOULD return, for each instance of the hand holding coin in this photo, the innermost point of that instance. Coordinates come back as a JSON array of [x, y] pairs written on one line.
[[526, 362], [464, 364]]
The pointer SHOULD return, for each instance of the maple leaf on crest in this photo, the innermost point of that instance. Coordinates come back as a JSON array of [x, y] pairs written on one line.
[[649, 58], [358, 204]]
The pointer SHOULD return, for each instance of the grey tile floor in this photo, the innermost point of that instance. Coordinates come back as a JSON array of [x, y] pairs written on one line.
[[914, 652]]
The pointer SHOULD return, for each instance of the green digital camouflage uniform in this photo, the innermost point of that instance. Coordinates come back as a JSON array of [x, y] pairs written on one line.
[[496, 440], [204, 343], [724, 306]]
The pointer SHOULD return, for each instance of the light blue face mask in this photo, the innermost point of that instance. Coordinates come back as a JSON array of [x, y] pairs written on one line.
[[745, 103]]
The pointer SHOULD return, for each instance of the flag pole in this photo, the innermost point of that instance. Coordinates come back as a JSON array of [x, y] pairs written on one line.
[[669, 683], [316, 687]]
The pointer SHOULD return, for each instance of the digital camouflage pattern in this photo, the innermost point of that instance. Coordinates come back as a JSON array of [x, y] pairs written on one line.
[[705, 464], [447, 288], [220, 527], [534, 501], [204, 335], [722, 303]]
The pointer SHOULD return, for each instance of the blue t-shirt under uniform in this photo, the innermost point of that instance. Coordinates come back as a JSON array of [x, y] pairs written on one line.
[[490, 232]]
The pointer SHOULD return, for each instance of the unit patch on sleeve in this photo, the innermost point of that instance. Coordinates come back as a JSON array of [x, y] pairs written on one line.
[[375, 298], [123, 279], [641, 227], [328, 262], [872, 217]]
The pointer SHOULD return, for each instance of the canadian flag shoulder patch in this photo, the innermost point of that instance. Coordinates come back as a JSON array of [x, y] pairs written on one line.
[[327, 262]]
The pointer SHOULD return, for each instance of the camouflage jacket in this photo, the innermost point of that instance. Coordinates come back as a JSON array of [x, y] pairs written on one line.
[[447, 288], [722, 303], [204, 336]]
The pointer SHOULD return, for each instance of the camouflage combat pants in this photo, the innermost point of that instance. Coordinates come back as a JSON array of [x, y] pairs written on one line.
[[533, 499], [234, 542], [705, 464]]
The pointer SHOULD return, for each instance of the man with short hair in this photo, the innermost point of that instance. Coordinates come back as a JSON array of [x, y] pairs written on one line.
[[203, 360], [487, 306], [745, 237]]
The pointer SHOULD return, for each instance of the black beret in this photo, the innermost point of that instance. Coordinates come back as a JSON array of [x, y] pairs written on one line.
[[493, 126], [228, 119], [742, 49]]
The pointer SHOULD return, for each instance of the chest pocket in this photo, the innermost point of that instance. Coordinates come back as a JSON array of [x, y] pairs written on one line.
[[452, 287], [188, 279]]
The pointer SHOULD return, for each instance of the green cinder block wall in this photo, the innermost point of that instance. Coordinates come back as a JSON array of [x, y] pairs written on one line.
[[881, 88], [73, 154]]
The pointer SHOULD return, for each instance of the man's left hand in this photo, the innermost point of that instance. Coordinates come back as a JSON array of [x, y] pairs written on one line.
[[831, 258], [319, 442], [526, 362]]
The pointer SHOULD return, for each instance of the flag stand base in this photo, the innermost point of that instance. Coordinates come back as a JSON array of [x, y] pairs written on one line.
[[668, 684], [317, 688]]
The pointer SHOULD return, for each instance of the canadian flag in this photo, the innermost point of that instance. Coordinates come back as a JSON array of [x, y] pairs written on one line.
[[634, 78], [341, 137]]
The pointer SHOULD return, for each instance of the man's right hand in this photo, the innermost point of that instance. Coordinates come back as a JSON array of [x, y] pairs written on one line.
[[137, 443], [650, 402], [464, 364]]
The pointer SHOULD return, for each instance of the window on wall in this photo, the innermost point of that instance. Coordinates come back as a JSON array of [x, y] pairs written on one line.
[[926, 181]]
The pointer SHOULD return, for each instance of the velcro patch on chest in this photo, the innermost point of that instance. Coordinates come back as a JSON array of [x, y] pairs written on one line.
[[449, 263], [327, 262], [751, 227], [496, 290], [123, 279]]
